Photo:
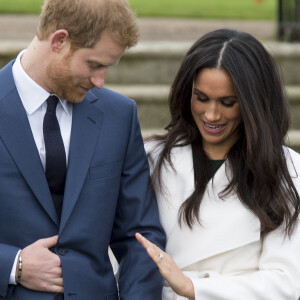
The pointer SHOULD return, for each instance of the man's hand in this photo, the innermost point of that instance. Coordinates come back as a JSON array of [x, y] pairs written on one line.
[[41, 269]]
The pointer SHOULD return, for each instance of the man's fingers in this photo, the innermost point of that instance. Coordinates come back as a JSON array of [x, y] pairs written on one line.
[[55, 288], [49, 242], [56, 260], [57, 271], [41, 268], [58, 282]]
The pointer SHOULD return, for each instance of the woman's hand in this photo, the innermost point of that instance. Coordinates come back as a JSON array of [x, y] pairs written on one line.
[[181, 284]]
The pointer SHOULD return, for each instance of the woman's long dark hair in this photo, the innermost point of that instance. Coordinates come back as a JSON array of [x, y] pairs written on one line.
[[257, 161]]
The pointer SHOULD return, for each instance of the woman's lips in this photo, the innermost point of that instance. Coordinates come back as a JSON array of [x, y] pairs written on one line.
[[213, 128]]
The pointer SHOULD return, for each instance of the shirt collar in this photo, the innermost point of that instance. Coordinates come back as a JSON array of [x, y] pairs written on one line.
[[32, 95]]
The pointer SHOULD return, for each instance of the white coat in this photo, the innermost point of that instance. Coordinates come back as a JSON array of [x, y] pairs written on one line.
[[225, 257]]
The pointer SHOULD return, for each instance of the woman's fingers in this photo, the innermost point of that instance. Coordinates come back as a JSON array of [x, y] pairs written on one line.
[[146, 243], [153, 251], [141, 239], [169, 270], [150, 247]]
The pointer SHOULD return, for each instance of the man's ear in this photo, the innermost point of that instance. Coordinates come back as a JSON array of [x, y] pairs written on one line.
[[59, 40]]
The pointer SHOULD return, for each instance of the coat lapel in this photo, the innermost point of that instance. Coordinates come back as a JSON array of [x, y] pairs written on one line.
[[86, 125], [16, 134], [226, 224]]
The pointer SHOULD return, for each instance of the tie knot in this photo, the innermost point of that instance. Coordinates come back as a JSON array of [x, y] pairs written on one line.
[[51, 104]]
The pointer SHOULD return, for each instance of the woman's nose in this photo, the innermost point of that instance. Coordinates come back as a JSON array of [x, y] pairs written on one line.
[[212, 113]]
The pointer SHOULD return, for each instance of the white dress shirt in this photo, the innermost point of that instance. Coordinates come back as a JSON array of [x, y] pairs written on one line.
[[34, 98]]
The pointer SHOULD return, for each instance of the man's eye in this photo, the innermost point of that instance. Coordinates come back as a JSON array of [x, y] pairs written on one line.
[[95, 66]]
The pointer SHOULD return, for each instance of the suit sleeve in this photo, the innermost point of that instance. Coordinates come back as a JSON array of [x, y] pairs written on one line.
[[7, 257], [137, 211], [277, 277]]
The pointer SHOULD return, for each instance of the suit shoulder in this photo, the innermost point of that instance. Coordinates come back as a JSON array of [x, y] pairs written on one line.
[[112, 98], [7, 83]]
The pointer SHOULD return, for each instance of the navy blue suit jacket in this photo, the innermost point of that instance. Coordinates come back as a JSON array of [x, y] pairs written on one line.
[[107, 199]]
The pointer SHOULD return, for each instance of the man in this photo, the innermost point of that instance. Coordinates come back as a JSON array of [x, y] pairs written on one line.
[[74, 176]]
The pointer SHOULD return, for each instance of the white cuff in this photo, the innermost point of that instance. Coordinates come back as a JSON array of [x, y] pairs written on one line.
[[12, 278]]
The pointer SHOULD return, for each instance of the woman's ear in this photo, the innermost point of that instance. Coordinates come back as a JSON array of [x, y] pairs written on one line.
[[59, 40]]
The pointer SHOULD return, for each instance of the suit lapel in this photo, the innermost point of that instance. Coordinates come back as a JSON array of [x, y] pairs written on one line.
[[86, 125], [16, 134]]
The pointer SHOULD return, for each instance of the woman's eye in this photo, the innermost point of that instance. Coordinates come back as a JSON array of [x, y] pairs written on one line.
[[202, 99], [228, 103]]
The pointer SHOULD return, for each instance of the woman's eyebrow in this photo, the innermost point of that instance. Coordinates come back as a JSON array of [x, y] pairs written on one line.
[[197, 91], [229, 97]]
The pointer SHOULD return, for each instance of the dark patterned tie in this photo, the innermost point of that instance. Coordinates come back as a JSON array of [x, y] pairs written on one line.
[[55, 154]]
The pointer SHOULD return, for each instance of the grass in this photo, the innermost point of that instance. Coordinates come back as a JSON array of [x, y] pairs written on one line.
[[219, 9], [21, 6], [213, 9]]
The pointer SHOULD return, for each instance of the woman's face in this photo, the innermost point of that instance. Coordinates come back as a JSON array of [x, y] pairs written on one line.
[[216, 111]]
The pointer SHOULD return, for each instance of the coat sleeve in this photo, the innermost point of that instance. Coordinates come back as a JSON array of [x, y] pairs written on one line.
[[137, 211], [7, 257], [277, 277]]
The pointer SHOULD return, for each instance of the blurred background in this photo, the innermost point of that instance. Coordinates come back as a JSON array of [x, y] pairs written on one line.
[[167, 30], [246, 9]]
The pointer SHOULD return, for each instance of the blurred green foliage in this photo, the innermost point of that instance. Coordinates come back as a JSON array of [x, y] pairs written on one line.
[[218, 9]]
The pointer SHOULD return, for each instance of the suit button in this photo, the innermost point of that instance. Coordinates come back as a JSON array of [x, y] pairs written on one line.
[[61, 251]]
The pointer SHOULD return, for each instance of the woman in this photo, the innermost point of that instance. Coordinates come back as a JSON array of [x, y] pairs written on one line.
[[227, 187]]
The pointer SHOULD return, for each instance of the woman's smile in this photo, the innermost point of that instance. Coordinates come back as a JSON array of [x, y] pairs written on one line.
[[213, 128], [216, 111]]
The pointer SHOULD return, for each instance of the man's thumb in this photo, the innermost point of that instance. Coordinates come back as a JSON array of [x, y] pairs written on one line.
[[50, 242]]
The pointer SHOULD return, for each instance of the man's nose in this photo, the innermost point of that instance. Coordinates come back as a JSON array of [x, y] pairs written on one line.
[[98, 77]]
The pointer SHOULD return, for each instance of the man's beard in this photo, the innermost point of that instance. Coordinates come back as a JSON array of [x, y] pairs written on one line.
[[63, 84]]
